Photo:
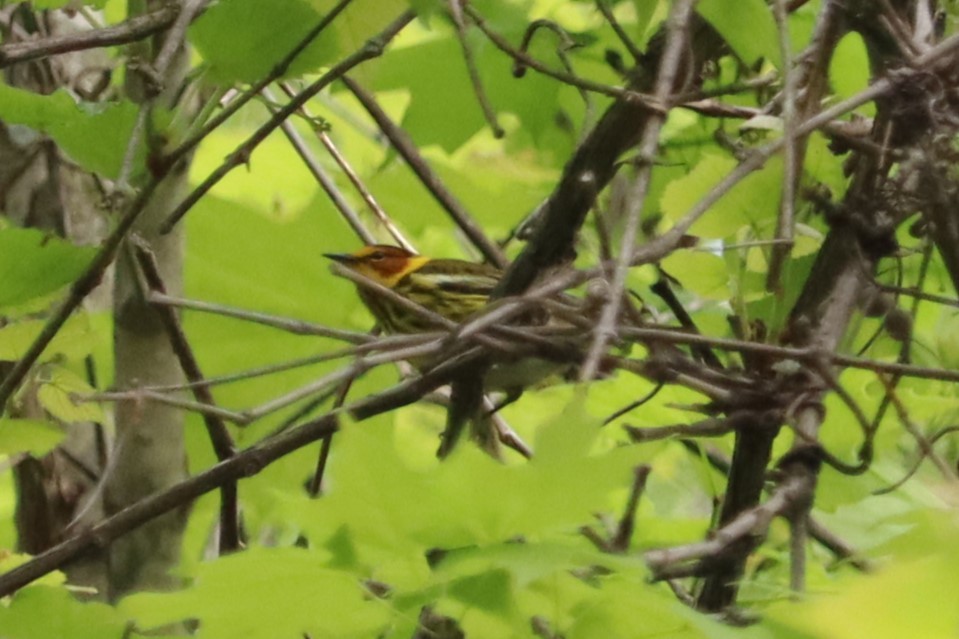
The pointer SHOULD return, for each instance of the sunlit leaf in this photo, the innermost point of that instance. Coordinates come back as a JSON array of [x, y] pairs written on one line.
[[44, 612], [58, 392], [32, 436], [74, 340], [754, 200], [244, 39], [277, 592], [33, 264], [747, 25], [95, 136], [849, 67], [699, 272]]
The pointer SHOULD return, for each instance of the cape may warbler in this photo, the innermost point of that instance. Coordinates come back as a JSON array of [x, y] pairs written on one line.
[[454, 289]]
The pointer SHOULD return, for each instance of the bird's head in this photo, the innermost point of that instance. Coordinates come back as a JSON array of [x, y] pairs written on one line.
[[381, 263]]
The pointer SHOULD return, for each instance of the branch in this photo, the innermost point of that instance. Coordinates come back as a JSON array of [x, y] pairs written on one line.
[[401, 141], [245, 464], [678, 33], [373, 48], [223, 445], [278, 71], [136, 28], [744, 532]]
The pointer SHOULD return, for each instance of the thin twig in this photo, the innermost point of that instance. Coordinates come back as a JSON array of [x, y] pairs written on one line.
[[401, 141], [607, 12], [791, 153], [353, 177], [635, 404], [925, 446], [296, 327], [241, 155], [503, 45], [136, 28], [565, 43], [319, 173], [919, 295], [223, 445], [665, 84], [357, 368], [456, 13], [140, 395], [276, 72]]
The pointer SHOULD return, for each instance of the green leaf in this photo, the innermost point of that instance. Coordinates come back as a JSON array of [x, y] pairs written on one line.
[[56, 394], [94, 135], [44, 612], [33, 264], [491, 591], [911, 599], [33, 436], [849, 71], [699, 272], [436, 77], [74, 340], [397, 512], [627, 607], [243, 40], [753, 201], [648, 12], [747, 25], [266, 593]]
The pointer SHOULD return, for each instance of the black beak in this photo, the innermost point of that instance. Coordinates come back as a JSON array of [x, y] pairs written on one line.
[[342, 258]]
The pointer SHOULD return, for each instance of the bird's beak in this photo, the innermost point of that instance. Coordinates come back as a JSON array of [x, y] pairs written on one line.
[[342, 258]]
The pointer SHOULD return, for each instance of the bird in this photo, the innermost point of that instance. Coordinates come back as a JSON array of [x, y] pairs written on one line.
[[456, 290], [453, 289]]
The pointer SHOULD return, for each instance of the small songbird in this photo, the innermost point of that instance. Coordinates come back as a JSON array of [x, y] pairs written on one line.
[[453, 289]]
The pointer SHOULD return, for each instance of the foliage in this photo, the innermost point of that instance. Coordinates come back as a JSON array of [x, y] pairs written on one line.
[[498, 547]]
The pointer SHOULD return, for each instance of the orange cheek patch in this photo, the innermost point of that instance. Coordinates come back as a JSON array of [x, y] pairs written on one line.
[[390, 266]]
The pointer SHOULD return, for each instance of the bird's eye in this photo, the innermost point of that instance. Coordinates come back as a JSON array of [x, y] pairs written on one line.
[[378, 255]]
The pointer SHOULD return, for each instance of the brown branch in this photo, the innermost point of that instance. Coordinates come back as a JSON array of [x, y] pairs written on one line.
[[624, 529], [588, 172], [245, 464], [668, 81], [745, 531], [839, 547], [713, 427], [792, 158], [136, 28]]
